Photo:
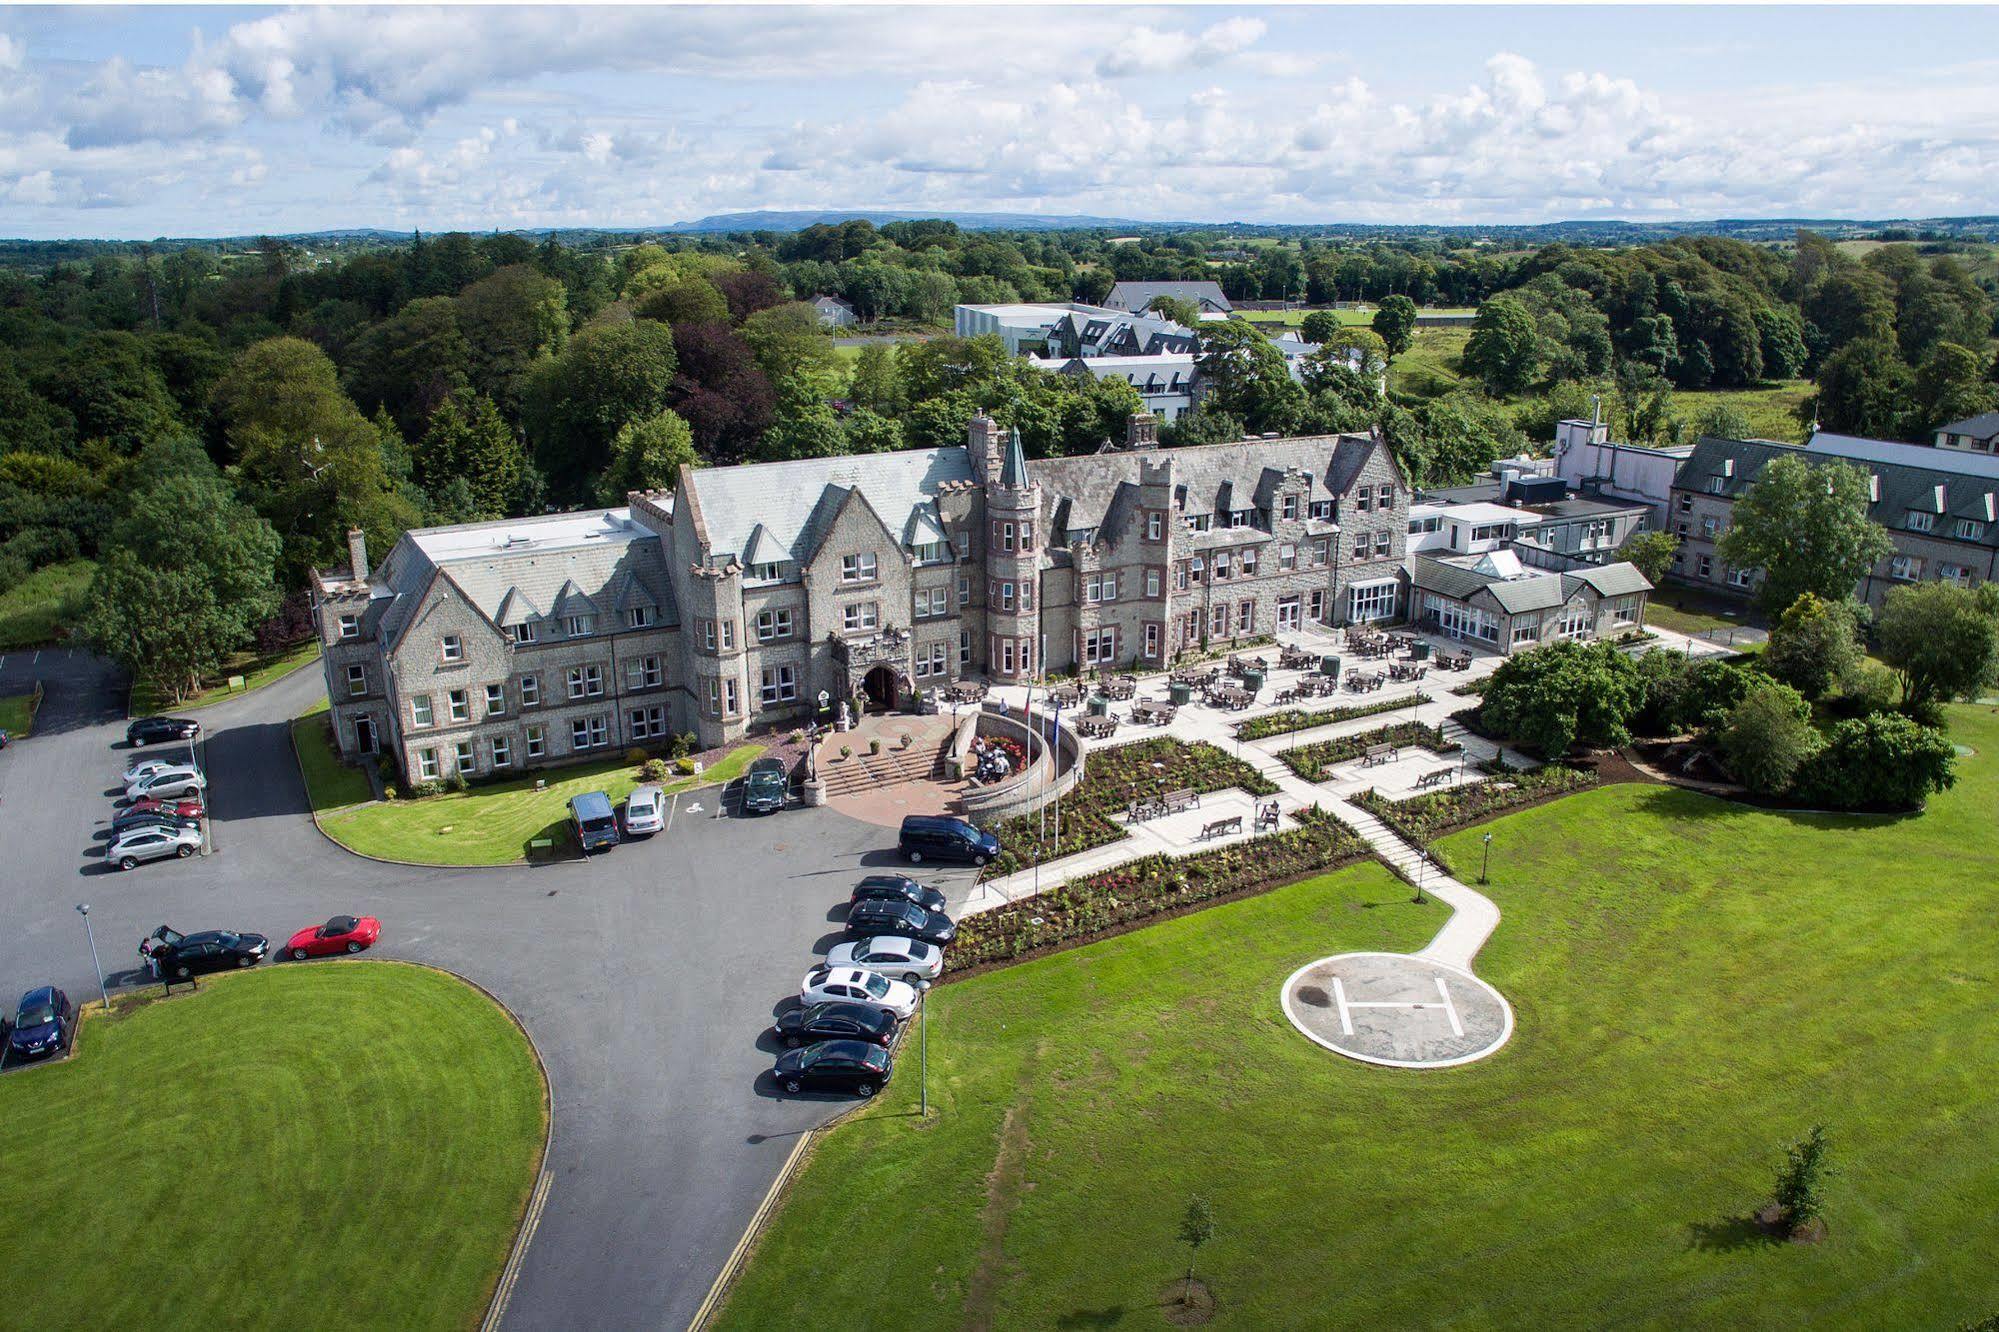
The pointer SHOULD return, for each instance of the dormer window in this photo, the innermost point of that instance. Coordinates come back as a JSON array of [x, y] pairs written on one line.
[[767, 573], [933, 552], [1970, 529], [524, 632], [578, 626], [350, 626], [640, 617], [1322, 509], [1921, 521], [1715, 484]]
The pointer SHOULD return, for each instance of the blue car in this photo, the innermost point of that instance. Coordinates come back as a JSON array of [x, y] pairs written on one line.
[[42, 1025]]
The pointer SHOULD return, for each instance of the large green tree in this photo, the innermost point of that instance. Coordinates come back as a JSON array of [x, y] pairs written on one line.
[[512, 319], [1504, 350], [608, 376], [469, 441], [1864, 389], [1942, 640], [1814, 645], [1395, 321], [409, 363], [1247, 377], [648, 455], [1767, 737], [1806, 527]]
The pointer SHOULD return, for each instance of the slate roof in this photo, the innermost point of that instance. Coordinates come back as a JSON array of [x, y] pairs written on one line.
[[1897, 489], [1982, 426], [1138, 295], [1860, 449], [793, 501], [1540, 590]]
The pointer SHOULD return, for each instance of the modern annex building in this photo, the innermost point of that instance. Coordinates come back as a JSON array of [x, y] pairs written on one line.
[[740, 597]]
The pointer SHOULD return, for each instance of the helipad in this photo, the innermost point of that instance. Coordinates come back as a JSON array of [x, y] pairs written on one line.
[[1397, 1009]]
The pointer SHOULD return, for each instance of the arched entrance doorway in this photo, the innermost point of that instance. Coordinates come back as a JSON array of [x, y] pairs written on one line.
[[880, 686]]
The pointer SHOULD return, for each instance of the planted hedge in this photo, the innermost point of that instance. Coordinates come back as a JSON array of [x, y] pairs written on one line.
[[1311, 761], [1420, 818], [1288, 720], [1115, 777], [1150, 886]]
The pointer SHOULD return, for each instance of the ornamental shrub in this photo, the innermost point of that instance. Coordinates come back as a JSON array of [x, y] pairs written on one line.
[[1881, 761], [1767, 737], [1563, 694]]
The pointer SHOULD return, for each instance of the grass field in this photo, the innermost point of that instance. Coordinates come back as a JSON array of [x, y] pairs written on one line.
[[347, 1143], [257, 669], [1695, 984], [495, 823], [17, 715], [1687, 610], [48, 599]]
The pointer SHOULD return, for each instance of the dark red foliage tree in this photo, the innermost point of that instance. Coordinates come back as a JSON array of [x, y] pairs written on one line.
[[720, 391]]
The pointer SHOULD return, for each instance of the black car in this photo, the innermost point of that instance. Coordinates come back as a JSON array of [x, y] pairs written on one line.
[[764, 786], [903, 918], [853, 1066], [136, 818], [935, 837], [835, 1022], [42, 1024], [176, 956], [897, 888], [152, 730]]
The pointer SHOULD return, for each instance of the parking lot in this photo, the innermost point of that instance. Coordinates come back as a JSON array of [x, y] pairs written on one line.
[[647, 975]]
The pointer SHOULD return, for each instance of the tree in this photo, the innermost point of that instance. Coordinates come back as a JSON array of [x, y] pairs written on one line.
[[1247, 377], [409, 363], [1197, 1227], [1721, 420], [1395, 321], [1942, 641], [1949, 386], [1651, 552], [690, 300], [1553, 697], [721, 391], [468, 441], [1321, 326], [1708, 691], [877, 382], [512, 319], [648, 455], [1357, 350], [1504, 350], [1767, 737], [1814, 646], [1185, 313], [789, 341], [1881, 761], [607, 377], [1801, 1180], [1806, 527], [1864, 389]]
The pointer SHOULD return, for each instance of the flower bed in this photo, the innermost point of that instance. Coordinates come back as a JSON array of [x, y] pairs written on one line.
[[1287, 720], [1116, 776], [1151, 886], [1420, 818], [1311, 761]]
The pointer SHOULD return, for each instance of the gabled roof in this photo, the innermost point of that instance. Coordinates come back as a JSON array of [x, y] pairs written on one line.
[[764, 548], [1982, 426], [925, 527], [793, 501], [1461, 580], [572, 600], [1897, 489], [1138, 295], [517, 608]]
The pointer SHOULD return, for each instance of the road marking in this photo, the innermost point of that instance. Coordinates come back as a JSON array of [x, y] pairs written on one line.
[[1340, 997], [671, 805], [1450, 1009]]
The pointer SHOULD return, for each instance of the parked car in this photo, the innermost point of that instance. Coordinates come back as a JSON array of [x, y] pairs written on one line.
[[905, 920], [823, 985], [152, 841], [126, 819], [764, 786], [835, 1022], [342, 934], [907, 960], [596, 826], [185, 808], [168, 783], [172, 955], [42, 1024], [853, 1066], [139, 769], [645, 810], [934, 837], [150, 730], [897, 888]]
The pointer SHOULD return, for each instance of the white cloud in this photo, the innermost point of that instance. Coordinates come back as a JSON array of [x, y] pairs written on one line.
[[1148, 50]]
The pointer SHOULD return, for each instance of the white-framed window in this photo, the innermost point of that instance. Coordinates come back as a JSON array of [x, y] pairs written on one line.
[[420, 715], [1955, 573], [1906, 568], [1710, 526], [496, 700], [1738, 577], [1322, 509], [708, 635], [1387, 500], [859, 616], [1152, 584], [1624, 610], [1686, 502], [728, 635], [1969, 529], [451, 648], [1371, 601], [1289, 508], [1006, 596], [579, 626], [502, 749], [463, 758], [1315, 606], [524, 632], [640, 617], [1199, 522], [1289, 611], [1027, 596], [1100, 646], [1238, 517], [1526, 631], [1093, 589], [644, 673], [357, 680], [1716, 485], [1248, 559], [586, 681], [1921, 520], [350, 626], [932, 552], [1006, 656], [588, 733], [1287, 556], [779, 686], [767, 573], [773, 625], [644, 723], [1575, 620], [1363, 498], [1006, 536], [426, 765], [858, 568], [1363, 542], [1704, 567], [459, 705], [537, 739], [1155, 525], [1222, 565], [1245, 617], [1218, 622], [530, 691], [1152, 639], [932, 601], [1380, 544], [932, 661], [730, 706]]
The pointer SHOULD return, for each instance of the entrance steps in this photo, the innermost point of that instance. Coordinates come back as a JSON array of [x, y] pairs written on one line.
[[863, 771]]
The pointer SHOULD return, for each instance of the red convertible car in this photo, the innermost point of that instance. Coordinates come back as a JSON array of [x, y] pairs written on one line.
[[342, 934]]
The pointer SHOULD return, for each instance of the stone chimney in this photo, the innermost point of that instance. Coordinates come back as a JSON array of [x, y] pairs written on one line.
[[1141, 431], [983, 441], [357, 554]]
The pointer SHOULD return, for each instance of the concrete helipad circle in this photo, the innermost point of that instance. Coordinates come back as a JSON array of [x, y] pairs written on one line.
[[1397, 1009]]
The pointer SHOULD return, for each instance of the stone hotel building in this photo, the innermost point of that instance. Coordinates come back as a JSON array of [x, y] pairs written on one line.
[[740, 597]]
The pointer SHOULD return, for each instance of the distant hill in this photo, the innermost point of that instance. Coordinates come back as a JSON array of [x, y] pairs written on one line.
[[779, 220]]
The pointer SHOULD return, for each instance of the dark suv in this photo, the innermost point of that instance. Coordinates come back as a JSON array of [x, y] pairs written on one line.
[[899, 917], [933, 837]]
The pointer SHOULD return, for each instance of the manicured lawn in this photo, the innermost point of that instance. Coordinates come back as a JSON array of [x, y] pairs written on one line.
[[257, 669], [17, 715], [492, 824], [348, 1143], [1687, 610], [329, 783], [1695, 983], [33, 609]]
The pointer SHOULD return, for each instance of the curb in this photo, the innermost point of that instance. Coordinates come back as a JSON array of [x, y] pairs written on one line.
[[732, 1266]]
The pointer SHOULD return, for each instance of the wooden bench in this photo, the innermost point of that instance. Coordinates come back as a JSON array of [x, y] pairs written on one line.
[[1175, 801], [1375, 755], [1221, 827], [1436, 777]]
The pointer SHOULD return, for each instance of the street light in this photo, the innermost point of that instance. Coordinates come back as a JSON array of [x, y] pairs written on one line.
[[1485, 860], [83, 909], [923, 1045]]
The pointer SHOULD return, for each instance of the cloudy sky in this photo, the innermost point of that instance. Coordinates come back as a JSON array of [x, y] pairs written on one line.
[[168, 121]]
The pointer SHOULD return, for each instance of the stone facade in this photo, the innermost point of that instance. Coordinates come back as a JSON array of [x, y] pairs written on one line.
[[740, 598]]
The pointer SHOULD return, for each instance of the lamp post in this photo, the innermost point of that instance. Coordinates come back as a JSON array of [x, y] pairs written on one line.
[[83, 909], [1485, 859], [923, 1046], [1422, 863]]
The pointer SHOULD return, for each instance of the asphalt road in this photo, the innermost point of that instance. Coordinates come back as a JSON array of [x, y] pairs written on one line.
[[647, 976]]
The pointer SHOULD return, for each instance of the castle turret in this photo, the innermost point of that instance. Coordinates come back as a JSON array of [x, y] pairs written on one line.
[[1013, 564]]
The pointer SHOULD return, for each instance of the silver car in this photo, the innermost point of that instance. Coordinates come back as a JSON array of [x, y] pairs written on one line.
[[906, 960], [152, 843], [167, 783]]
